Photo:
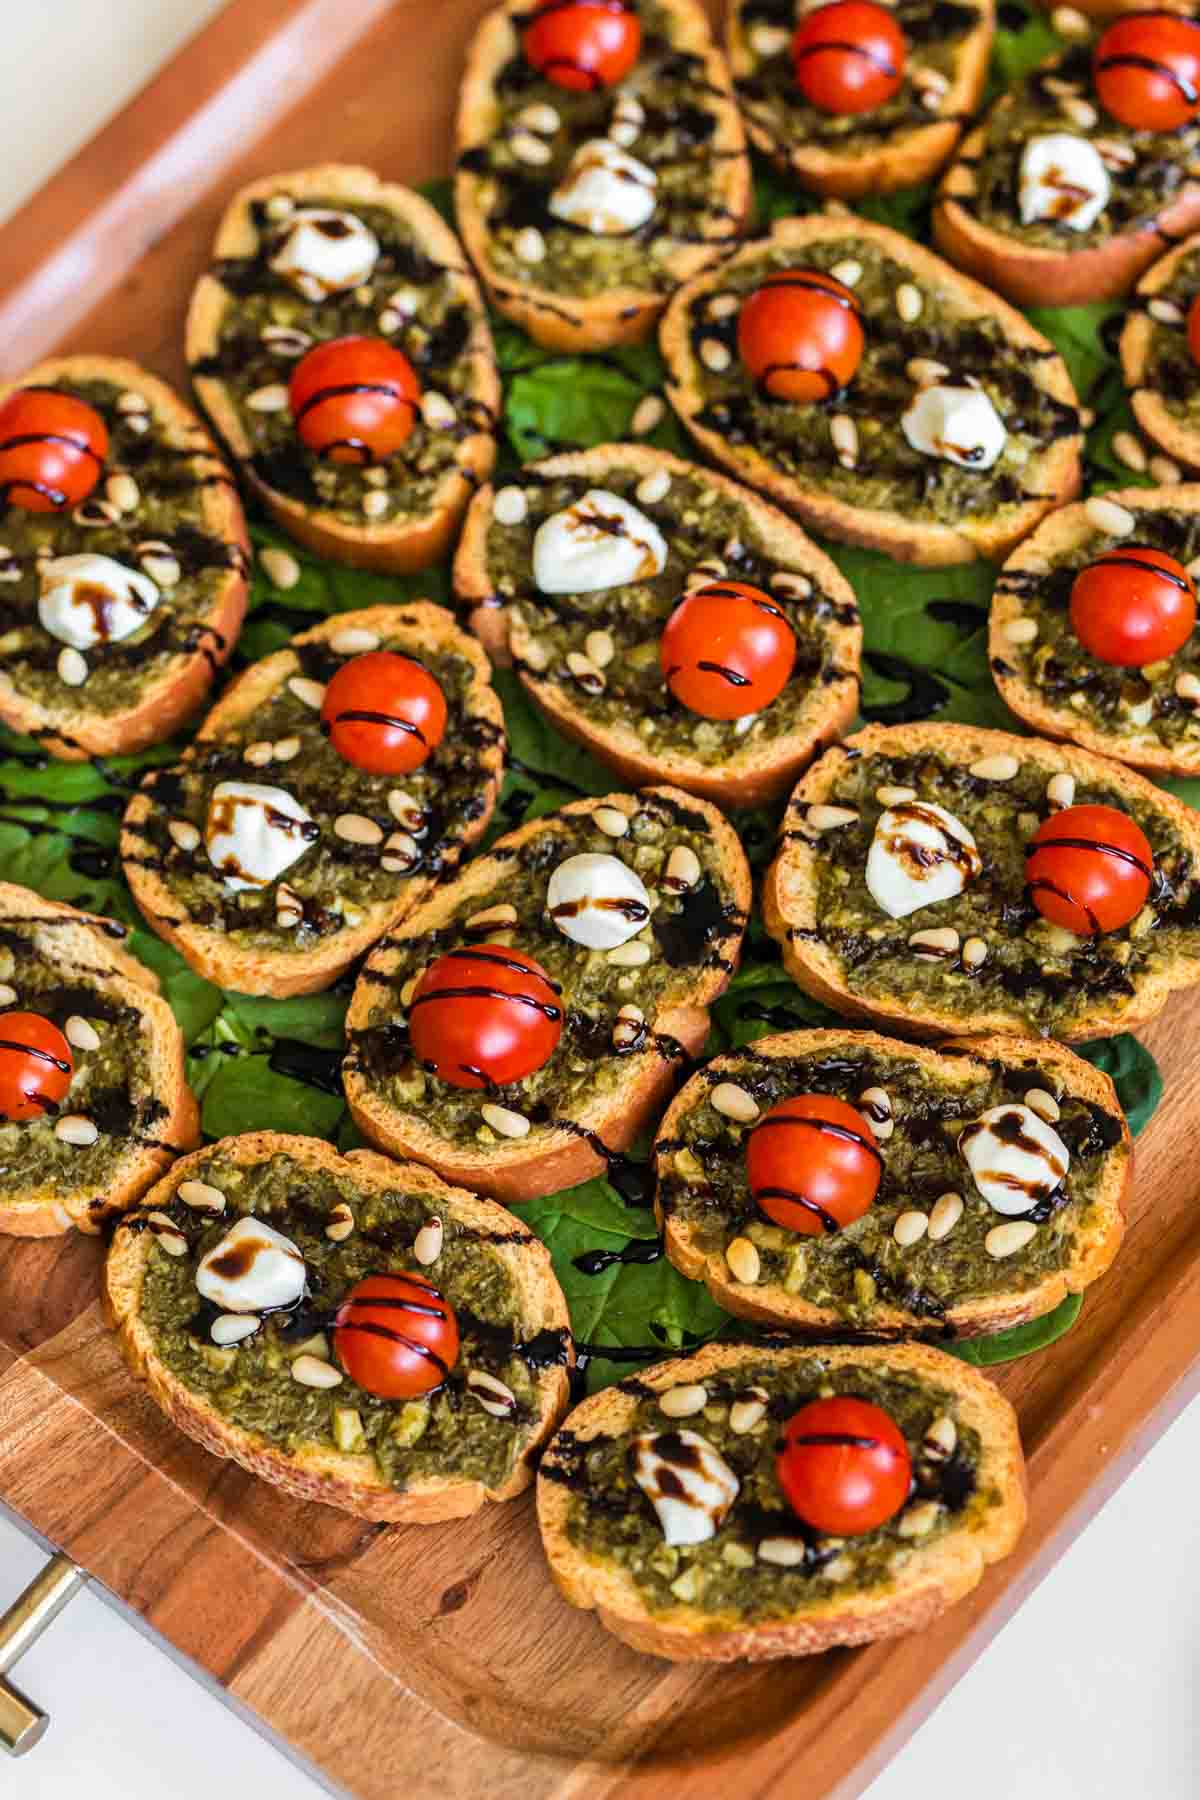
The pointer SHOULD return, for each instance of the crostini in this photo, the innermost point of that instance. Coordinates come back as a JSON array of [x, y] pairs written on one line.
[[518, 1031], [673, 622], [348, 1328], [601, 162], [756, 1502], [874, 391], [340, 346], [1159, 359], [328, 791]]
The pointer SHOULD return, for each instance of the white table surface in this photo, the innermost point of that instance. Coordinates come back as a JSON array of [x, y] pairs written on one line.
[[1091, 1691]]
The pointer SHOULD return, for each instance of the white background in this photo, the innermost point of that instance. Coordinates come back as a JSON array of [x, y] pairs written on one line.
[[1090, 1692]]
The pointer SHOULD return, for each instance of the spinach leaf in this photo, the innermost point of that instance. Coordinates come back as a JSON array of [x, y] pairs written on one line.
[[1133, 1072], [1022, 1340]]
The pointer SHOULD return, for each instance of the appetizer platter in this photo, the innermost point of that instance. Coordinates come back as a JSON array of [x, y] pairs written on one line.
[[597, 772]]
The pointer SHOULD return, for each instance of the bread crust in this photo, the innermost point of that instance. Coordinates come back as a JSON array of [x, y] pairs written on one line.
[[929, 544], [1178, 439], [621, 315], [285, 973], [351, 1482], [748, 777], [399, 546], [789, 890], [932, 1579], [771, 1303], [73, 733], [515, 1170]]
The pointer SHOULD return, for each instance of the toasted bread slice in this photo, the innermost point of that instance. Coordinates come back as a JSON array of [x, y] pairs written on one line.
[[327, 1455], [926, 1287], [1156, 327], [425, 266], [128, 1086], [624, 305], [744, 762], [570, 1119], [319, 917], [1008, 969], [791, 1592], [878, 493], [133, 693]]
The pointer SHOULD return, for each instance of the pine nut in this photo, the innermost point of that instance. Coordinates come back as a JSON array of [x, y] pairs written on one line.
[[941, 1440], [683, 870], [341, 1223], [72, 667], [931, 946], [355, 640], [784, 1553], [629, 1028], [611, 821], [848, 271], [183, 834], [919, 1520], [974, 953], [843, 433], [1006, 1240], [745, 1264], [995, 768], [910, 1228], [767, 40], [1166, 471], [258, 755], [405, 810], [648, 415], [733, 1102], [1080, 112], [271, 399], [683, 1402], [310, 693], [286, 749], [81, 1033], [93, 514], [492, 916], [894, 796], [529, 246], [829, 818], [747, 1411], [280, 206], [1107, 515], [1021, 631], [354, 828], [654, 487], [502, 1119], [1114, 154], [375, 504], [1070, 23], [289, 908], [131, 402], [877, 1104], [124, 492], [437, 411], [1043, 1104], [74, 1129], [1165, 311], [529, 148], [311, 1371], [909, 302], [1128, 450], [201, 1196], [634, 955], [400, 854], [164, 571], [510, 507], [285, 340], [714, 355], [7, 994], [585, 672], [492, 1394], [167, 1236], [1187, 687], [231, 1328], [791, 585], [427, 1245], [600, 648], [540, 117], [925, 372]]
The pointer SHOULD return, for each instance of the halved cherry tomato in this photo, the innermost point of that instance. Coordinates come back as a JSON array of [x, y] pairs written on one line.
[[354, 399], [813, 1164], [484, 1017], [1133, 606], [52, 450], [726, 650], [1193, 329], [844, 1466], [384, 713], [583, 44], [1147, 71], [1089, 868], [36, 1065], [396, 1335], [849, 57], [800, 335]]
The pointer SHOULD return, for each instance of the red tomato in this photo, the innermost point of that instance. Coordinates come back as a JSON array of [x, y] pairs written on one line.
[[36, 1065], [1147, 71], [800, 335], [1193, 329], [483, 1017], [52, 450], [1089, 868], [813, 1164], [844, 1466], [396, 1335], [354, 399], [583, 44], [1133, 606], [726, 651], [849, 57], [384, 713]]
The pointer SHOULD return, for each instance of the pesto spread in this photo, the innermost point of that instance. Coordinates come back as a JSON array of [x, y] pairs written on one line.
[[1171, 372]]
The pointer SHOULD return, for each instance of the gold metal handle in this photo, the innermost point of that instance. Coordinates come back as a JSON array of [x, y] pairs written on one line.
[[22, 1724]]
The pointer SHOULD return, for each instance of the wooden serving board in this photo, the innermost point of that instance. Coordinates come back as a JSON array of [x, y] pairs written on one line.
[[438, 1661]]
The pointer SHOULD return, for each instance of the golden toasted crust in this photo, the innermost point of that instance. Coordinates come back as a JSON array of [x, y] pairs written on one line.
[[283, 972], [747, 777], [173, 696], [932, 1579], [518, 1169], [1178, 439], [932, 545], [318, 1472], [402, 545], [621, 315], [1093, 1247], [789, 892]]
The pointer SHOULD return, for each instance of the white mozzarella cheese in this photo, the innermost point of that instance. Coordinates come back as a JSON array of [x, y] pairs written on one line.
[[600, 542], [253, 833], [959, 424], [597, 901], [690, 1486], [1063, 178], [87, 600], [605, 190], [920, 854], [321, 252], [1015, 1158], [252, 1269]]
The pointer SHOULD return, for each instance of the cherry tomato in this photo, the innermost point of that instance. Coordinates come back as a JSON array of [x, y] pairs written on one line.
[[384, 713], [726, 651], [36, 1065], [813, 1164], [1089, 868], [844, 1466], [800, 335], [1133, 606], [1147, 71], [485, 1016], [849, 57], [52, 450], [1193, 329], [583, 44], [354, 399], [396, 1335]]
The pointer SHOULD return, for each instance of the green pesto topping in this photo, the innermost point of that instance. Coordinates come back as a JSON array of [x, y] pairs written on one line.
[[1171, 372]]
